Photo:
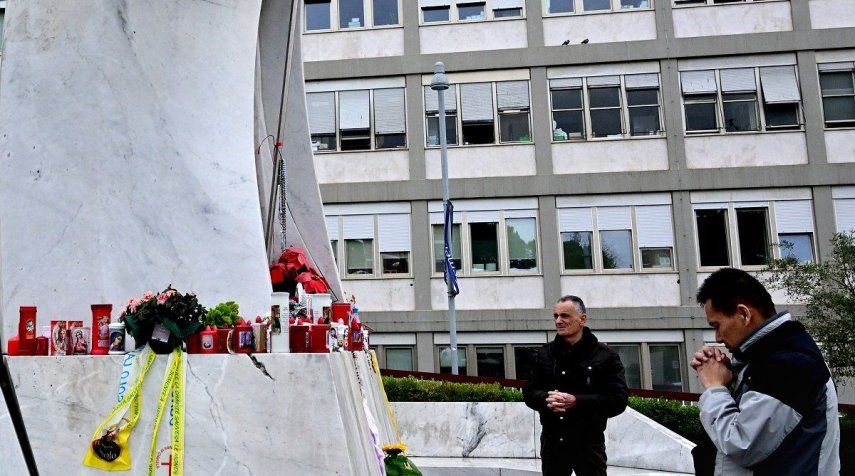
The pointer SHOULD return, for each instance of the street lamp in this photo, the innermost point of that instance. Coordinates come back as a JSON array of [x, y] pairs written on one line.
[[439, 83]]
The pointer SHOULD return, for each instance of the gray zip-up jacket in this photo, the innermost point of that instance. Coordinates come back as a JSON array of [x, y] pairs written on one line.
[[779, 417]]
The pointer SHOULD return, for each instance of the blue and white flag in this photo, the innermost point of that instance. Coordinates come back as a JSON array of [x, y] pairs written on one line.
[[450, 274]]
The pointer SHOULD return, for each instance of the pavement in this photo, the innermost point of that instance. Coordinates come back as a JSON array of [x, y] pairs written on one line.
[[508, 467]]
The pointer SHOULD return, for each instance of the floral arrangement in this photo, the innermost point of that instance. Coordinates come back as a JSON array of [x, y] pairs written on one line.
[[180, 314], [294, 267]]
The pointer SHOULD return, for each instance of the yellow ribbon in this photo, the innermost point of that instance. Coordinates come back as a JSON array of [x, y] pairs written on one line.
[[173, 386], [385, 399], [132, 400]]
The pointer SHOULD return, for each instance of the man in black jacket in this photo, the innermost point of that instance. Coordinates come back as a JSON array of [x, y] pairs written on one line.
[[576, 385]]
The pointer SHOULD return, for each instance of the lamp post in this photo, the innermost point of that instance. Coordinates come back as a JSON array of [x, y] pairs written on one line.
[[439, 83]]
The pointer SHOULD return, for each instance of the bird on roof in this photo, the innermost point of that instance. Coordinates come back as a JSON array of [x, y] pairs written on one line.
[[585, 41], [566, 42]]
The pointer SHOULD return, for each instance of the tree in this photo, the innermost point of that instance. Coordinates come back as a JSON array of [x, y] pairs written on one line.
[[828, 291]]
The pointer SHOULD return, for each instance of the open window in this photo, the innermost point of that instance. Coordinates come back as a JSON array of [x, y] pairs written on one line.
[[699, 100], [512, 98], [568, 112], [354, 121], [604, 99], [394, 236], [476, 101], [432, 115], [781, 97]]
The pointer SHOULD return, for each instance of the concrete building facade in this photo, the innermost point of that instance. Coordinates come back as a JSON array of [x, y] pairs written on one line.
[[619, 150]]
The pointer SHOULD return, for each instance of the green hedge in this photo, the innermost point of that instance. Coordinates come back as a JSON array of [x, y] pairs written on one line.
[[681, 419]]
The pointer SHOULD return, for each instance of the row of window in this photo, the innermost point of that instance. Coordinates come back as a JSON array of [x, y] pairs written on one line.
[[654, 366], [334, 15], [628, 238], [724, 101]]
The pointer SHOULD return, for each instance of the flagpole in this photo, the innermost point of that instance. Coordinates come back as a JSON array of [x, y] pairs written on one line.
[[439, 83]]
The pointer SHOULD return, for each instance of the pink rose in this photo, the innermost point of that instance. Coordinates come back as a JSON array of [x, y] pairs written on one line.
[[133, 305], [162, 298], [148, 295]]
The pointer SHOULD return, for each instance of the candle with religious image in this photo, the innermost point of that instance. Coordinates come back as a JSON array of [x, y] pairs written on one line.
[[117, 338], [101, 328], [27, 330], [58, 337]]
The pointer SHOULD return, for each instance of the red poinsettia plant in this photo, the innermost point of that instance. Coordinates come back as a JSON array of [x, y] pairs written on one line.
[[294, 267]]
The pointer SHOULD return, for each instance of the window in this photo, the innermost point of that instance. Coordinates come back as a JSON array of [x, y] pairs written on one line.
[[680, 3], [432, 115], [318, 14], [471, 11], [513, 107], [712, 237], [389, 246], [604, 100], [434, 11], [385, 12], [525, 360], [399, 358], [351, 14], [630, 357], [481, 104], [357, 120], [593, 6], [623, 237], [484, 247], [751, 223], [728, 100], [491, 242], [838, 94], [665, 367], [439, 248], [606, 113], [490, 361], [522, 243], [445, 360]]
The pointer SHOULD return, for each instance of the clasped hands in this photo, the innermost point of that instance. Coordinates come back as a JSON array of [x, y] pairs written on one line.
[[712, 366], [560, 402]]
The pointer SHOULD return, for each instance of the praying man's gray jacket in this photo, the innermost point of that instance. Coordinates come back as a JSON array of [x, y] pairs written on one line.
[[779, 417]]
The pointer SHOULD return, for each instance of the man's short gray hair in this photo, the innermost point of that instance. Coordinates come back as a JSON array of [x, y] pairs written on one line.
[[580, 306]]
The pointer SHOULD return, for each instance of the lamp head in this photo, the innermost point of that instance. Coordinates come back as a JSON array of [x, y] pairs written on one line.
[[439, 80]]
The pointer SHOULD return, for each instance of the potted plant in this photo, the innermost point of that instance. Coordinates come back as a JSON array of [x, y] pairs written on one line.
[[223, 316], [163, 320]]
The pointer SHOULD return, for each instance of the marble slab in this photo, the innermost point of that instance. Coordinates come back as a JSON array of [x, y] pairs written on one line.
[[287, 414], [508, 467], [11, 459], [128, 155], [512, 430]]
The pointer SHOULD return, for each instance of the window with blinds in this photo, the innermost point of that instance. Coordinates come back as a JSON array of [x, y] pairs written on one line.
[[605, 106], [558, 7], [838, 93], [729, 100], [480, 113], [365, 119], [366, 239], [617, 237], [739, 233], [318, 14], [444, 11]]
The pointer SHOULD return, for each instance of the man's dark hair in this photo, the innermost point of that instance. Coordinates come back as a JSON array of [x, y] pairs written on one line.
[[728, 287], [576, 300]]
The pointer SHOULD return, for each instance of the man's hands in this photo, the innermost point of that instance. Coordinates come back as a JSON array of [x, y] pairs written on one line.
[[712, 366], [560, 402]]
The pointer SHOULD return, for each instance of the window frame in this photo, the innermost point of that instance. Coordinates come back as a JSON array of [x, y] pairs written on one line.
[[381, 350], [714, 3], [454, 13], [458, 117], [626, 132], [378, 273], [732, 231], [368, 12], [615, 7], [825, 123], [372, 132], [504, 257], [759, 104], [596, 246]]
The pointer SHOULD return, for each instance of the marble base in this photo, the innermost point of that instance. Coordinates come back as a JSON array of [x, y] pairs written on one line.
[[289, 414], [512, 430], [11, 458], [507, 467]]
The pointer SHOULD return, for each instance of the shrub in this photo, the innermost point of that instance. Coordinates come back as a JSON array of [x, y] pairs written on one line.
[[411, 389]]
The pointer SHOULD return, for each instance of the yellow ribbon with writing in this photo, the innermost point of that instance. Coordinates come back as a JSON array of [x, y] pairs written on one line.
[[109, 449], [173, 386]]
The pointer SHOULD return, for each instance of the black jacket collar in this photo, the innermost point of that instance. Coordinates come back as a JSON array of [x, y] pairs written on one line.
[[585, 345]]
